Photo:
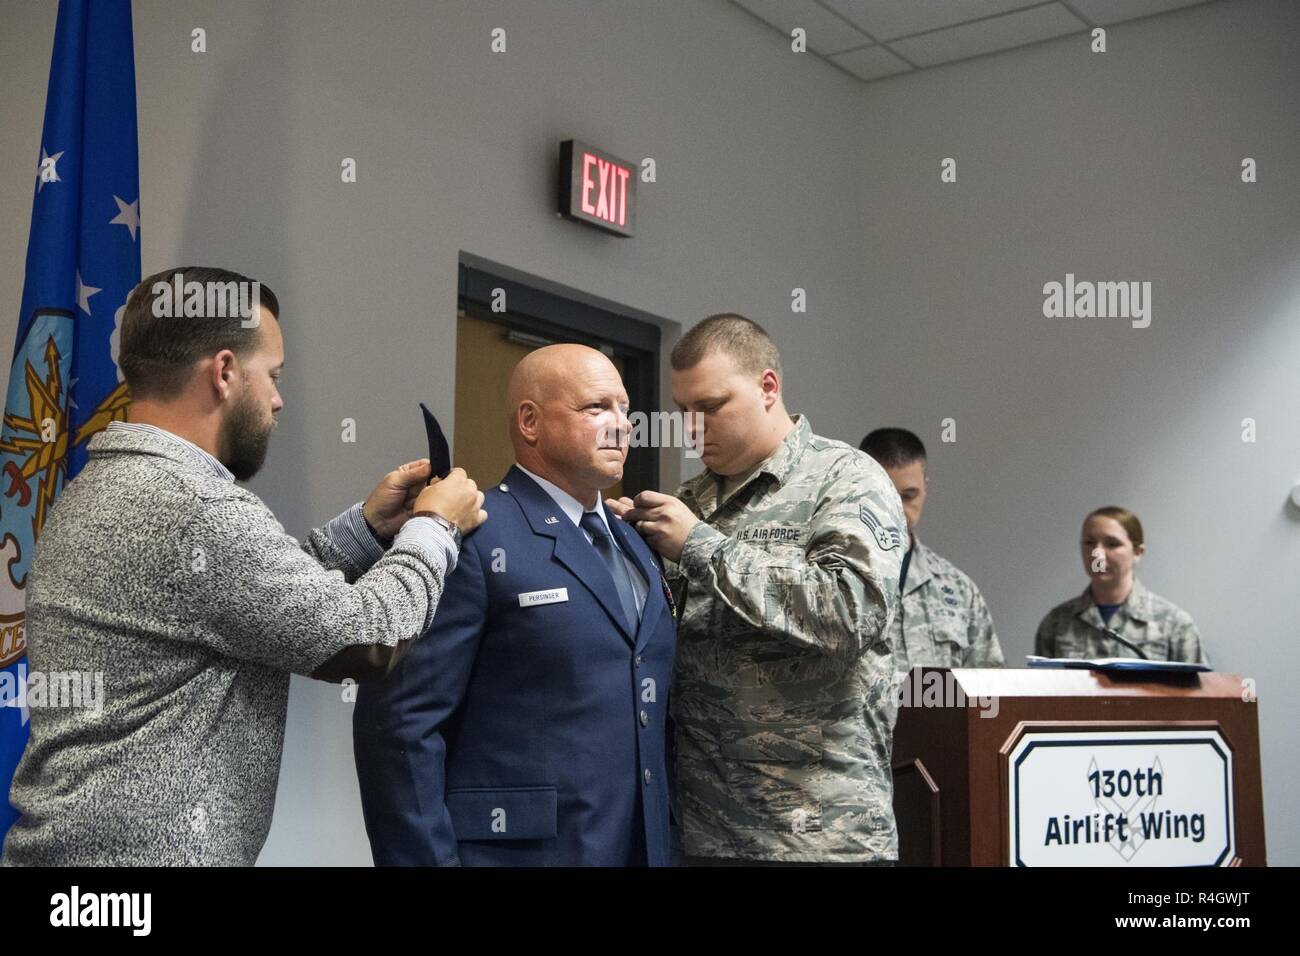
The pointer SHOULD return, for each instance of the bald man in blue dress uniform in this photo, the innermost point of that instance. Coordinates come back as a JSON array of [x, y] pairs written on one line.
[[528, 726]]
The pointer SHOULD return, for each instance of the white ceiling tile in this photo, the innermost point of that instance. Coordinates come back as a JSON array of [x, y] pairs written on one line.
[[988, 36], [1113, 11], [887, 19], [870, 63], [827, 33]]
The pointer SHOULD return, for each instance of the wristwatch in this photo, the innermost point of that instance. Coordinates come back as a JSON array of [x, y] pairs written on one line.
[[448, 526]]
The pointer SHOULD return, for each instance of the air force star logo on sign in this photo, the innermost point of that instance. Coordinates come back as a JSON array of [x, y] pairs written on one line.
[[888, 538]]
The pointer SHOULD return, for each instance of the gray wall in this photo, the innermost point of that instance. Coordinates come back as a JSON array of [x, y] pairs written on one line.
[[1124, 165], [775, 171]]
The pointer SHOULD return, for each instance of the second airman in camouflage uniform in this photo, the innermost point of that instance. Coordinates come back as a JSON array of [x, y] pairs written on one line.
[[943, 621], [787, 553]]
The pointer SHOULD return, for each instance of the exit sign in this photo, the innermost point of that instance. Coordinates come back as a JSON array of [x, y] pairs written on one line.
[[597, 188]]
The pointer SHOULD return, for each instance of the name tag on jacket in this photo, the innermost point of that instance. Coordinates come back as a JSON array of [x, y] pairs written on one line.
[[535, 598]]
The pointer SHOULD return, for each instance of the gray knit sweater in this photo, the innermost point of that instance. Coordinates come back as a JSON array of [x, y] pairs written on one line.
[[183, 590]]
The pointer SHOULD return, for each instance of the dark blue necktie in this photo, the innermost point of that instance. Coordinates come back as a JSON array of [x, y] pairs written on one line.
[[603, 542]]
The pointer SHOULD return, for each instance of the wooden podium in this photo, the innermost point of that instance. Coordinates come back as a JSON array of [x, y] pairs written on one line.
[[1077, 768]]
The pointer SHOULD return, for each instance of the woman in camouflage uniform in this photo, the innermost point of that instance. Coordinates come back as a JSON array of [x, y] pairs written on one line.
[[1112, 545]]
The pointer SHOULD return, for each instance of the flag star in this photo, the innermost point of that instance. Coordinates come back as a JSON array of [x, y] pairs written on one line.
[[84, 292], [128, 214], [47, 171]]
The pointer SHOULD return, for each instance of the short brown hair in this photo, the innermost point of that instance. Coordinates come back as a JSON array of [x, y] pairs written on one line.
[[894, 447], [1127, 520], [741, 338], [157, 352]]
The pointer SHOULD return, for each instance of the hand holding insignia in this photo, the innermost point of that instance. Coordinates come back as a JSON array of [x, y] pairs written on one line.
[[664, 522]]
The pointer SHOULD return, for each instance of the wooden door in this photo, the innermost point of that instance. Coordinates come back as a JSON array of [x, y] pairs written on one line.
[[486, 354]]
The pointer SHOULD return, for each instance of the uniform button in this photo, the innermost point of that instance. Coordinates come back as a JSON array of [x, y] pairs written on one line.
[[645, 718], [503, 486], [638, 660], [648, 776]]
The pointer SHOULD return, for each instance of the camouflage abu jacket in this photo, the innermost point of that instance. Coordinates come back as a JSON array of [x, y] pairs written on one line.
[[1163, 630], [944, 621], [782, 698]]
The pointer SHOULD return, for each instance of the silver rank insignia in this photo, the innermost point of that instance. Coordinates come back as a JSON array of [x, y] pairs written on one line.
[[888, 538]]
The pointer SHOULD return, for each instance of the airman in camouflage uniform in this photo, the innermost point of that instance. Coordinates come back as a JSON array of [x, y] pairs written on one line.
[[783, 697], [944, 620], [1164, 631]]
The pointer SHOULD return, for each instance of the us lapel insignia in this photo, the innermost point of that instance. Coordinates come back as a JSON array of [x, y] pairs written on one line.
[[552, 520]]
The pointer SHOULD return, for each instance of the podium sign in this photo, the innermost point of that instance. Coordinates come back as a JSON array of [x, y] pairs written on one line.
[[1068, 767], [1114, 797]]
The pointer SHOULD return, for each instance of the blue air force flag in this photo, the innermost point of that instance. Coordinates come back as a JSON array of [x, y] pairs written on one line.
[[83, 258]]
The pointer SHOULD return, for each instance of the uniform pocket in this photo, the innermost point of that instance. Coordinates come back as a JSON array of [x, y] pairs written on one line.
[[771, 774], [751, 740], [950, 641], [509, 813], [1068, 644]]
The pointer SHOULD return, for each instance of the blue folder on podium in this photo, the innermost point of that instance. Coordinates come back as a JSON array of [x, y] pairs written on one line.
[[1118, 664]]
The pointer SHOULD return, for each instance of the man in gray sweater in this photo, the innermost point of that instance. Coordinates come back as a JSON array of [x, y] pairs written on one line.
[[156, 571]]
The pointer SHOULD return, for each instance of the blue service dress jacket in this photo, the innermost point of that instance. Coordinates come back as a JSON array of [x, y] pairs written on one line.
[[527, 727]]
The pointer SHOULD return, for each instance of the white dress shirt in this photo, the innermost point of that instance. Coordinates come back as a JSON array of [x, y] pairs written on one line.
[[574, 510]]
